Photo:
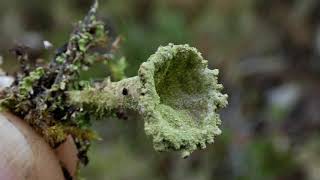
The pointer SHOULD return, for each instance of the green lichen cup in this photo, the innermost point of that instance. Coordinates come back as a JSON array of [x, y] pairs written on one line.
[[176, 95], [179, 99]]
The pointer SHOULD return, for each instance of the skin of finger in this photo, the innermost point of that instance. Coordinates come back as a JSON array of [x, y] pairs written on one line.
[[14, 151], [24, 154], [67, 154]]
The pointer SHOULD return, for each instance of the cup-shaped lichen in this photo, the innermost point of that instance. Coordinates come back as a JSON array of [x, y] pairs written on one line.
[[179, 99], [176, 95]]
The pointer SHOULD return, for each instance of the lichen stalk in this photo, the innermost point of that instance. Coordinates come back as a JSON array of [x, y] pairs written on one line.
[[111, 97]]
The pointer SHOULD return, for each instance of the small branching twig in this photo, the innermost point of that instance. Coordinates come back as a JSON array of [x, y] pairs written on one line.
[[39, 95]]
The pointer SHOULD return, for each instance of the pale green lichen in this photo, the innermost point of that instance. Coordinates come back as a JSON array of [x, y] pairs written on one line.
[[38, 95], [181, 97], [102, 101], [176, 94], [26, 85]]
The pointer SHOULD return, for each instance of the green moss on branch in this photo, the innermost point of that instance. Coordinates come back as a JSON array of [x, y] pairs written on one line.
[[39, 95]]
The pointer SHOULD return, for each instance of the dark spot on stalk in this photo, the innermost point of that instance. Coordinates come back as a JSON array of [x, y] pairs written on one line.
[[125, 91]]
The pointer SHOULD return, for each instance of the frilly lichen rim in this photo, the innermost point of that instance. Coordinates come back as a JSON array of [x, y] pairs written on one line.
[[189, 134]]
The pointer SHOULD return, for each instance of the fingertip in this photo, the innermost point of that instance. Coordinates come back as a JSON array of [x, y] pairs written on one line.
[[27, 155], [16, 154], [67, 154]]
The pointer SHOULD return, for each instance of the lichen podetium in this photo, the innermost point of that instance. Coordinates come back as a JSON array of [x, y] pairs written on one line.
[[175, 93]]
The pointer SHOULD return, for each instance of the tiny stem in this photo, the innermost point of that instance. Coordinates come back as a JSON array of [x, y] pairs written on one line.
[[123, 94]]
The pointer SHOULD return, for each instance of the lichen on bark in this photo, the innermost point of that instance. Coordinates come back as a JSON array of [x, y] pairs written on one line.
[[38, 94]]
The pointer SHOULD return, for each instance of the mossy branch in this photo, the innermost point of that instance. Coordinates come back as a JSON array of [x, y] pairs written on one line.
[[39, 95], [175, 93], [112, 96]]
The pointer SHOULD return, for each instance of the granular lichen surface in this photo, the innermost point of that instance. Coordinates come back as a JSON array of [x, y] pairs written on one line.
[[175, 93], [181, 99]]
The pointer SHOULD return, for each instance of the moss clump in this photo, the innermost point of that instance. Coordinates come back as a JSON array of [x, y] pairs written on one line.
[[26, 84], [39, 94]]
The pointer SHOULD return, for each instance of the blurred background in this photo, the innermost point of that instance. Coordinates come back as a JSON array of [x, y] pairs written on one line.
[[268, 55]]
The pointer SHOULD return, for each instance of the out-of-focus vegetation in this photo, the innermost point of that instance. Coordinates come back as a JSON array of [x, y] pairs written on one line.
[[268, 53]]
